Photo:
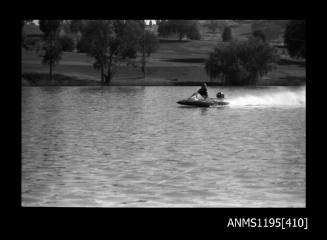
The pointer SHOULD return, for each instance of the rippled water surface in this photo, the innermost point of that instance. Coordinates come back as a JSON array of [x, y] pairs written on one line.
[[134, 146]]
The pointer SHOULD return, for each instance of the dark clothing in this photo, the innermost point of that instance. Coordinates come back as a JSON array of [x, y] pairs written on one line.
[[203, 92], [220, 95]]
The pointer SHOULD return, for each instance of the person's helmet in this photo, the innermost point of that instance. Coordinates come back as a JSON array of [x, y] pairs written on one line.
[[220, 95]]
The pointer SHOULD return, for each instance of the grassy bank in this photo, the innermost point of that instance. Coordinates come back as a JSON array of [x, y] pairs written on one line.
[[42, 79], [164, 72]]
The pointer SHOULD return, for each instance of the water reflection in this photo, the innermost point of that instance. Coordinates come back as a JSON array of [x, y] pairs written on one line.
[[204, 111]]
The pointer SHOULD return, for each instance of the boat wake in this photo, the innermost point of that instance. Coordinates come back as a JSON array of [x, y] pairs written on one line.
[[276, 97]]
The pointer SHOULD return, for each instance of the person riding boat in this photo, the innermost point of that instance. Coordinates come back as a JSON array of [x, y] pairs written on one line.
[[203, 92]]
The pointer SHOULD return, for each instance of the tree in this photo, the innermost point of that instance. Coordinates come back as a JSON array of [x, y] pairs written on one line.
[[129, 34], [227, 34], [98, 40], [76, 26], [183, 28], [294, 38], [212, 25], [258, 34], [151, 43], [272, 29], [164, 28], [23, 23], [186, 28], [67, 43], [82, 45], [52, 49], [110, 42], [148, 44], [179, 27], [65, 26], [193, 32], [241, 63], [142, 48], [222, 24]]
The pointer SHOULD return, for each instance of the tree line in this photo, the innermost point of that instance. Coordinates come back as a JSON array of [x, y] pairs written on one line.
[[109, 42], [114, 42]]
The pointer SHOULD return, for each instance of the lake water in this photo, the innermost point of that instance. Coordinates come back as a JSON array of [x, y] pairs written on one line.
[[135, 147]]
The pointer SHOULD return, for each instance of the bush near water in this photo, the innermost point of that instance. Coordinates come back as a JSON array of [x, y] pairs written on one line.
[[241, 63]]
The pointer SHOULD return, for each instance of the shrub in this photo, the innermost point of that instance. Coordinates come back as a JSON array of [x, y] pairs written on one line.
[[241, 63]]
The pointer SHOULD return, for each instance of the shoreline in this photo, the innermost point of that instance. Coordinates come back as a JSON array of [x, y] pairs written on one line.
[[42, 79]]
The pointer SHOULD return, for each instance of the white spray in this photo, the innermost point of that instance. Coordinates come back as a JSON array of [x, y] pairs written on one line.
[[275, 97]]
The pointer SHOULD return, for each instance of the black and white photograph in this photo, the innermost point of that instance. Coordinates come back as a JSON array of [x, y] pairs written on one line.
[[163, 113]]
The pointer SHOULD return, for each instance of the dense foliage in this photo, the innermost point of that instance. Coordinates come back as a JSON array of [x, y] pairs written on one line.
[[294, 38], [82, 45], [227, 34], [272, 29], [128, 34], [215, 25], [259, 35], [67, 43], [23, 42], [51, 49], [151, 43], [110, 42], [241, 63], [76, 25], [49, 27], [183, 28], [212, 25]]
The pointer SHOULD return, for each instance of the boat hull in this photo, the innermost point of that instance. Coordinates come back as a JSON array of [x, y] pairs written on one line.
[[202, 103]]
